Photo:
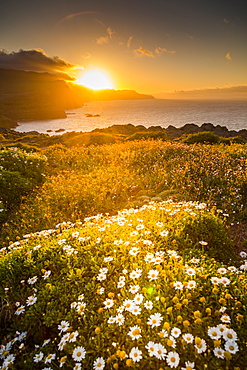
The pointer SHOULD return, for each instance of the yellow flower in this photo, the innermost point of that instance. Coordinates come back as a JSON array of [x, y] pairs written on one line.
[[97, 330], [178, 306], [115, 366], [222, 301], [215, 290], [166, 325], [227, 355], [175, 299], [208, 310], [228, 296], [162, 299], [78, 272], [100, 310], [129, 362], [240, 317], [198, 340], [48, 286], [186, 323], [135, 266], [169, 310], [111, 295], [202, 299], [185, 301], [217, 313], [217, 343], [144, 290], [197, 314], [198, 321]]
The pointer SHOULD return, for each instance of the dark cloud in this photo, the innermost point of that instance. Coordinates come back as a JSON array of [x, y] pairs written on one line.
[[36, 60]]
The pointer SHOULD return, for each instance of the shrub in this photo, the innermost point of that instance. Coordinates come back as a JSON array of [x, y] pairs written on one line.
[[148, 136], [113, 292], [205, 137]]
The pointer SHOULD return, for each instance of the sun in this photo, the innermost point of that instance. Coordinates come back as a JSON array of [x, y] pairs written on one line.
[[95, 79]]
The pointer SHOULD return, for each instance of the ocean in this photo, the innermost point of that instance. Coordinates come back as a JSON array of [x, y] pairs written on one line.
[[151, 112]]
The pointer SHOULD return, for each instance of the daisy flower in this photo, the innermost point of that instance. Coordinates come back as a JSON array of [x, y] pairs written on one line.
[[121, 284], [178, 285], [172, 359], [190, 271], [108, 259], [135, 274], [153, 274], [149, 258], [151, 347], [215, 280], [108, 303], [63, 326], [175, 332], [189, 366], [219, 353], [148, 305], [138, 298], [226, 319], [77, 366], [135, 310], [155, 320], [31, 300], [73, 336], [201, 347], [229, 334], [214, 333], [191, 284], [135, 332], [231, 346], [160, 351], [99, 363], [134, 251], [135, 354], [46, 274], [119, 319], [128, 304], [134, 289], [224, 281], [78, 354], [222, 270], [101, 277], [20, 310], [50, 357], [243, 254], [164, 233], [32, 280], [38, 357]]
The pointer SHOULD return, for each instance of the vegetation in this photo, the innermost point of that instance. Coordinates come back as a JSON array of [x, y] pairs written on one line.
[[122, 255]]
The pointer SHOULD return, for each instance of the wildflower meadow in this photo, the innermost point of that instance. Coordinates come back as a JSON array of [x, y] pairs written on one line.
[[122, 258]]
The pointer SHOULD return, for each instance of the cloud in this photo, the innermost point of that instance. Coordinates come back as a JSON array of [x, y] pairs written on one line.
[[160, 50], [110, 32], [226, 20], [105, 39], [74, 15], [140, 52], [36, 60], [129, 41], [228, 56], [102, 40]]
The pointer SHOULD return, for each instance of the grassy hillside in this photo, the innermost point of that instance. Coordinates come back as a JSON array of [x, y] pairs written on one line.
[[124, 255]]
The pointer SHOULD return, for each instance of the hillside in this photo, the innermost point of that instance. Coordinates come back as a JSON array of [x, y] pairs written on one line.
[[36, 96]]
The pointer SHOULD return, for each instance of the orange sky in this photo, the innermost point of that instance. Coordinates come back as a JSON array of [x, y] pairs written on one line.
[[148, 46]]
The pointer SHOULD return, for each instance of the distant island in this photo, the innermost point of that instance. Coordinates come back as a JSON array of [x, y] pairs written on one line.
[[26, 95]]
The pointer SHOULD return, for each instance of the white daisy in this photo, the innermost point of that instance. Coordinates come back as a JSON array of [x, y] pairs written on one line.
[[178, 285], [191, 284], [226, 319], [230, 334], [138, 298], [148, 305], [172, 359], [231, 346], [134, 289], [38, 357], [175, 332], [20, 310], [160, 351], [155, 320], [99, 363], [153, 274], [214, 333], [108, 303], [119, 319], [63, 326], [151, 348], [135, 354], [201, 347], [135, 332], [219, 352], [189, 366], [79, 353]]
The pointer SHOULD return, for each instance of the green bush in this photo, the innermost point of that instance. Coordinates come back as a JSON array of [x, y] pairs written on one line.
[[147, 136], [205, 137]]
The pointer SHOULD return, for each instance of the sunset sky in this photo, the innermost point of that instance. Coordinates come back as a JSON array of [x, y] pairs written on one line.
[[149, 46]]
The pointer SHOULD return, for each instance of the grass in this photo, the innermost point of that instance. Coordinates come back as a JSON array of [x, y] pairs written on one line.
[[139, 223]]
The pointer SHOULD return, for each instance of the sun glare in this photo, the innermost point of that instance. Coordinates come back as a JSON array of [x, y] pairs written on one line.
[[95, 79]]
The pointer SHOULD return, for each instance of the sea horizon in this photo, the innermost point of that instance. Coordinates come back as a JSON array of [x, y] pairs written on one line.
[[149, 112]]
